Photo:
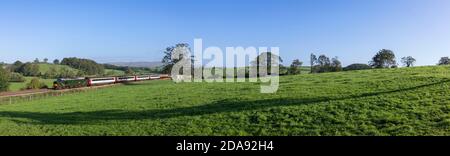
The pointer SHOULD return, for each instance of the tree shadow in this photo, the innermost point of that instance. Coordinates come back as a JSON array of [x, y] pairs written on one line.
[[221, 106], [136, 83]]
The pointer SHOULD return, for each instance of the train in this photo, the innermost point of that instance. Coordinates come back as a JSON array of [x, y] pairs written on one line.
[[65, 83]]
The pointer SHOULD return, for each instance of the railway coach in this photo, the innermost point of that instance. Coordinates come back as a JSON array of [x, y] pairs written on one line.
[[126, 78], [86, 82]]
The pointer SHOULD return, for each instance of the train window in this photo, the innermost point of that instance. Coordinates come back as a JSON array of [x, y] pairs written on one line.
[[107, 79]]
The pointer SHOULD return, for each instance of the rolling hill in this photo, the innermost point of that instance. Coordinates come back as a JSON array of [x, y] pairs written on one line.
[[382, 102], [137, 64], [44, 67]]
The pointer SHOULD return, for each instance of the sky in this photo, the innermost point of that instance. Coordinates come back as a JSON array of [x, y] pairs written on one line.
[[139, 30]]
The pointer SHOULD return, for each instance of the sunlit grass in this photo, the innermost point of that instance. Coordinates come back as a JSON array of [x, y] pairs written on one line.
[[406, 101]]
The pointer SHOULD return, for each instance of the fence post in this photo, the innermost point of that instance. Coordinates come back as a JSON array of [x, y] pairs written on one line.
[[10, 100]]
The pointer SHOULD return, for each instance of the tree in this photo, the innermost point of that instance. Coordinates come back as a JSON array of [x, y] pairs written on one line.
[[4, 79], [323, 60], [56, 61], [324, 64], [336, 65], [295, 67], [129, 71], [357, 66], [444, 61], [383, 59], [15, 66], [408, 61], [169, 62], [268, 59], [36, 60], [29, 69], [35, 83], [51, 73], [90, 67], [16, 77], [66, 73], [313, 61], [45, 60]]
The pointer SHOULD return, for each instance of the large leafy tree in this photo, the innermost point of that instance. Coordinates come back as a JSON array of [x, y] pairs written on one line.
[[295, 67], [89, 67], [29, 69], [168, 61], [336, 65], [383, 59], [56, 61], [268, 60], [408, 61], [444, 61], [325, 64]]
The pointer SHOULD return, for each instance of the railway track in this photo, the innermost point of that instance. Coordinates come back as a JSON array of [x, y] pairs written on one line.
[[24, 92], [44, 91]]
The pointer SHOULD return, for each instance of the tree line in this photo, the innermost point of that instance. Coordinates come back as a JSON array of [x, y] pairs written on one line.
[[384, 58]]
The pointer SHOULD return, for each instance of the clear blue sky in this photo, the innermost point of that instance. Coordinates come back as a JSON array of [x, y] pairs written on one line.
[[118, 30]]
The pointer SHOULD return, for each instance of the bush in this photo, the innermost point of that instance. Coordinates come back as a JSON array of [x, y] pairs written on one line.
[[357, 66], [16, 77], [35, 83], [4, 79], [29, 69]]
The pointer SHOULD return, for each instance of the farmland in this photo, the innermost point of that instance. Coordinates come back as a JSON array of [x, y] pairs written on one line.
[[45, 67], [16, 86], [404, 101]]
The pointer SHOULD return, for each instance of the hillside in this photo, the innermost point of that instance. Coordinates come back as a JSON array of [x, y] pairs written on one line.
[[137, 64], [44, 67], [405, 101]]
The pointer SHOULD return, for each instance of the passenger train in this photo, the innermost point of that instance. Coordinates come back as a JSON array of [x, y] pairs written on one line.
[[86, 82]]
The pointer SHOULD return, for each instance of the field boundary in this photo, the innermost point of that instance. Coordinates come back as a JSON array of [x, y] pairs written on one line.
[[31, 95]]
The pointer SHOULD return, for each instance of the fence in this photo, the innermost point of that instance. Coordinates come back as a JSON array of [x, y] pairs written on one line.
[[20, 98]]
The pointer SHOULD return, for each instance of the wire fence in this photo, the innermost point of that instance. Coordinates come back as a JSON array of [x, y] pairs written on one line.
[[20, 98]]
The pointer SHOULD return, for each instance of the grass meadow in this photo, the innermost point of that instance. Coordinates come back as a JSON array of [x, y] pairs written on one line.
[[382, 102], [16, 86]]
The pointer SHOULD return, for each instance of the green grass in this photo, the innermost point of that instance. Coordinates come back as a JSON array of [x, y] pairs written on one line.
[[44, 67], [406, 101], [16, 86], [114, 72]]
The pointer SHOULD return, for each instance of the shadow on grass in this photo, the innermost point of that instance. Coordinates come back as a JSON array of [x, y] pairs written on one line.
[[222, 106]]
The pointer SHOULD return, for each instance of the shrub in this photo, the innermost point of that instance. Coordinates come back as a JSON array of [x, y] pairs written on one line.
[[35, 83], [16, 77], [357, 66]]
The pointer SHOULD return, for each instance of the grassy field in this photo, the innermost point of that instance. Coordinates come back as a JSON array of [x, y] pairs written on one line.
[[16, 86], [113, 72], [44, 67], [406, 101]]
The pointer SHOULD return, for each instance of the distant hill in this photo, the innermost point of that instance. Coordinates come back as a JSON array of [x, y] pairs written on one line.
[[137, 64]]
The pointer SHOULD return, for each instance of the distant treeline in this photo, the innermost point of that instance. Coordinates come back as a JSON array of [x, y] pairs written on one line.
[[384, 58]]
